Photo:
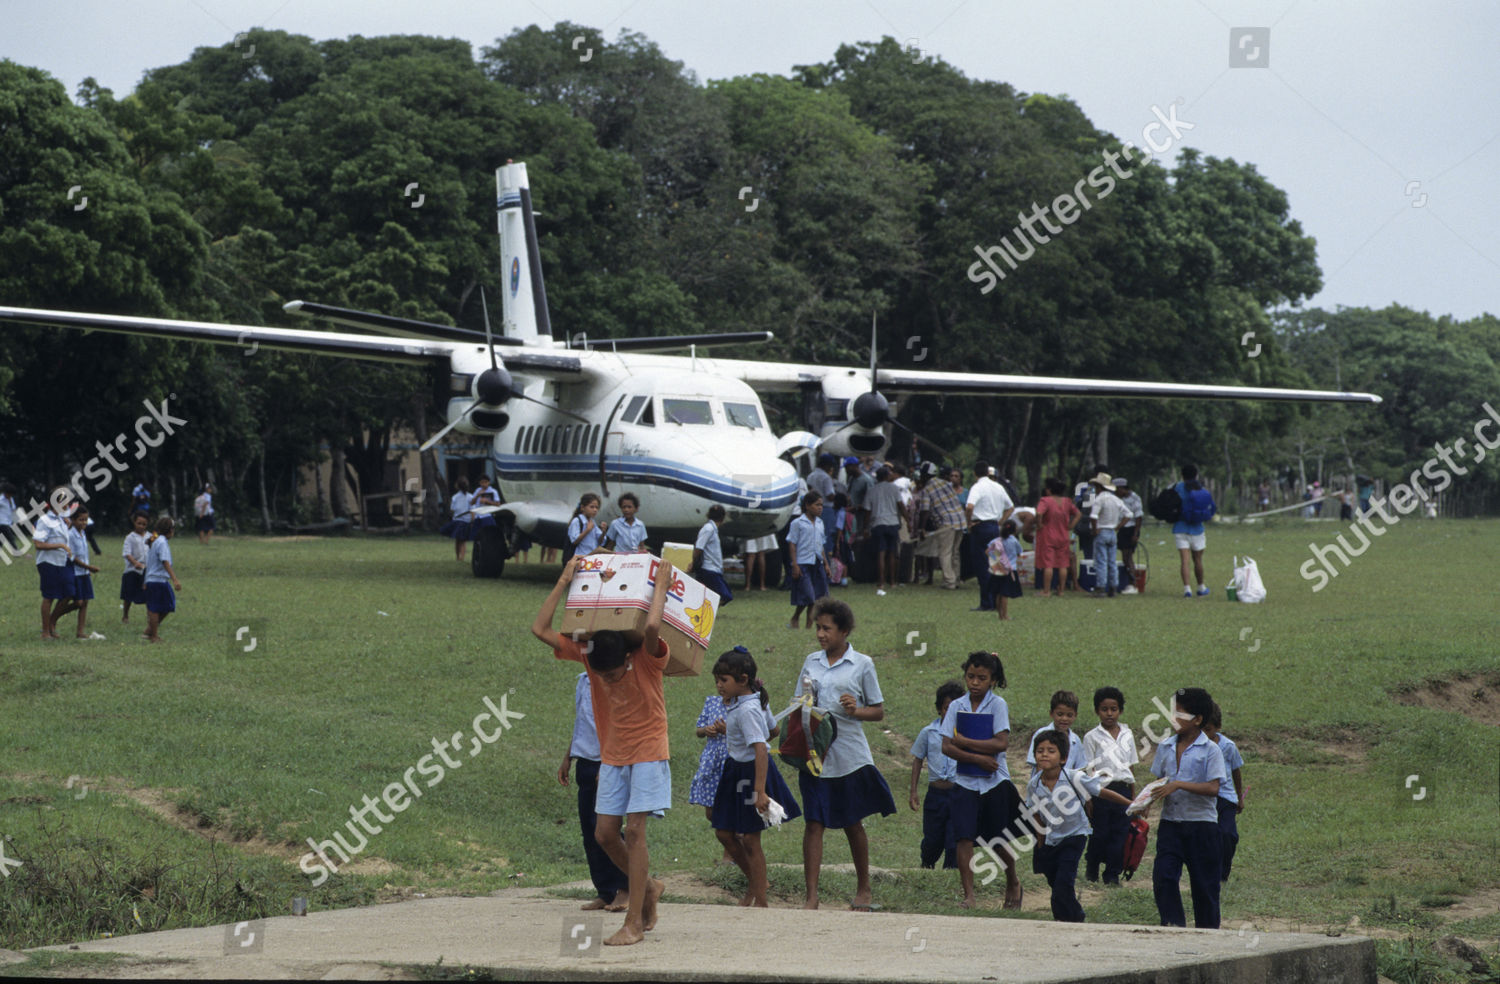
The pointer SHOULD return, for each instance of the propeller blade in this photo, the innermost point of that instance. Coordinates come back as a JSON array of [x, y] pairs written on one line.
[[554, 409], [489, 339], [938, 448], [872, 351], [451, 424]]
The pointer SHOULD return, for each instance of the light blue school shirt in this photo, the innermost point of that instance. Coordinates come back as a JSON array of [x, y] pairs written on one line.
[[1201, 762], [627, 537], [854, 673], [745, 727], [929, 746], [79, 544], [1078, 758], [157, 558], [996, 708], [585, 732], [713, 551], [1075, 820], [1232, 760], [590, 542], [806, 538]]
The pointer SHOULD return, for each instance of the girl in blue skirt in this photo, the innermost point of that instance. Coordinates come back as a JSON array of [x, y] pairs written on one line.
[[750, 779], [458, 526], [849, 788]]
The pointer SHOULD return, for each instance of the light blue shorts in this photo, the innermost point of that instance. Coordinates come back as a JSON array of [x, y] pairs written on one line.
[[645, 787]]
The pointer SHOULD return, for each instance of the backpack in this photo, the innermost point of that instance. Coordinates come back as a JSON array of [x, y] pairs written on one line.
[[807, 736], [1167, 506], [1198, 506], [1135, 844], [999, 560]]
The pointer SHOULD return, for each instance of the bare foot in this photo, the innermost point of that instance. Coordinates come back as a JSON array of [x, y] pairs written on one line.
[[861, 901], [967, 903], [810, 904], [592, 904], [745, 902], [620, 904], [653, 896], [625, 937]]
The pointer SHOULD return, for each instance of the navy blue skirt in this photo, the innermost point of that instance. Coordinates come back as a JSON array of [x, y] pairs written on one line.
[[57, 581], [1006, 585], [160, 598], [714, 581], [812, 585], [734, 801], [83, 587], [845, 801], [458, 529]]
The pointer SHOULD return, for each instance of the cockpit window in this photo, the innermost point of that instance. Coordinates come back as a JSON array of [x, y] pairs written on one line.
[[687, 411], [632, 409], [742, 414]]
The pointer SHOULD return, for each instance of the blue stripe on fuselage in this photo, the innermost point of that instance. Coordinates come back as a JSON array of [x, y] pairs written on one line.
[[642, 471]]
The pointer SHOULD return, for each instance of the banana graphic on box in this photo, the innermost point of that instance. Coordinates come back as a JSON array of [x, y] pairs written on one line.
[[702, 618]]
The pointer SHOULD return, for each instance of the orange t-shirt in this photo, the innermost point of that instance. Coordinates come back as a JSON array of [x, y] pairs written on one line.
[[631, 713]]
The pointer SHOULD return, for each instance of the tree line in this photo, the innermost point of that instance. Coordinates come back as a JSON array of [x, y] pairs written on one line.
[[222, 187]]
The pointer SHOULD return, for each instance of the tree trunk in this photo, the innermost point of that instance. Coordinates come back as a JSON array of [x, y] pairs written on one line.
[[336, 488], [1101, 443], [265, 510]]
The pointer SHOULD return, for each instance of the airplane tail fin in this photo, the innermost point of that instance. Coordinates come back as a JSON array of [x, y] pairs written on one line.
[[524, 295]]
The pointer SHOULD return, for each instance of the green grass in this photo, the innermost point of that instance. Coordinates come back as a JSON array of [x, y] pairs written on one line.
[[262, 750]]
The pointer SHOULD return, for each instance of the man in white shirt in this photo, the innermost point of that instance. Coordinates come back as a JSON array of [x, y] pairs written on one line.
[[987, 507], [1130, 533], [1105, 519]]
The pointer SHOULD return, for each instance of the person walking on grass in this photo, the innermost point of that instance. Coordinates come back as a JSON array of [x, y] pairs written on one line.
[[1188, 532], [161, 580], [630, 710]]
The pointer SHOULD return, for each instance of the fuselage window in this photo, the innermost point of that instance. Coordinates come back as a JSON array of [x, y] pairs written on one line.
[[546, 438], [686, 411], [742, 414], [648, 416], [560, 440], [567, 439], [594, 439], [836, 410], [531, 443], [633, 409], [520, 433]]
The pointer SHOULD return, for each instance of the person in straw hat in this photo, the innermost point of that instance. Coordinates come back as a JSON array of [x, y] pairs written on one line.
[[1105, 519]]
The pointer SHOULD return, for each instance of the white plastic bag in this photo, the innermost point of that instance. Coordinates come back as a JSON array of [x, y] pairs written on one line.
[[1247, 583]]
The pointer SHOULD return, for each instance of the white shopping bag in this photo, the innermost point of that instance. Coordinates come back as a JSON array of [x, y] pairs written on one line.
[[1247, 582]]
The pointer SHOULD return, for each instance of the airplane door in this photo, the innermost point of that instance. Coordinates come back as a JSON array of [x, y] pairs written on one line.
[[613, 444]]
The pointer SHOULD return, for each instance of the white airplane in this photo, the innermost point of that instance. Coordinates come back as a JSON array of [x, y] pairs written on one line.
[[602, 415]]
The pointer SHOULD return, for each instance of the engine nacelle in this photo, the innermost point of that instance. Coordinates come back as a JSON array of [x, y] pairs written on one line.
[[854, 417]]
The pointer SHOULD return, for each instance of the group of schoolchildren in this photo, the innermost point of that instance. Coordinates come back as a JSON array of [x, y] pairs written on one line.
[[623, 771], [62, 542]]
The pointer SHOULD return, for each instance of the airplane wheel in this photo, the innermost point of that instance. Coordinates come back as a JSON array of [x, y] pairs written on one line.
[[491, 550]]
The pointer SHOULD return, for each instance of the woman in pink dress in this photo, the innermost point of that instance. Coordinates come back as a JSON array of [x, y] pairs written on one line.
[[1055, 516]]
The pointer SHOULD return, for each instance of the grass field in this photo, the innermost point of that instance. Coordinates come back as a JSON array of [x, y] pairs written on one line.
[[160, 786]]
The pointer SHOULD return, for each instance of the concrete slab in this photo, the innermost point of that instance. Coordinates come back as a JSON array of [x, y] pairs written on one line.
[[527, 935]]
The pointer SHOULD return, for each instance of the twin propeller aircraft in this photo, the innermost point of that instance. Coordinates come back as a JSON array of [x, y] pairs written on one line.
[[607, 415]]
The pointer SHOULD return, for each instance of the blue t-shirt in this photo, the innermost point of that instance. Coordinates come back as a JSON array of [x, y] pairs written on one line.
[[1185, 528], [79, 544], [1064, 801], [158, 556], [627, 537], [806, 539], [1201, 762], [745, 727], [929, 746]]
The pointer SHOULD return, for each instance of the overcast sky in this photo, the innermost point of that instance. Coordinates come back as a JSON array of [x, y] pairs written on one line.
[[1379, 119]]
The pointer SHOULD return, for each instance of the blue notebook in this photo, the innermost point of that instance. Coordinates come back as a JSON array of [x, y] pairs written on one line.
[[976, 726]]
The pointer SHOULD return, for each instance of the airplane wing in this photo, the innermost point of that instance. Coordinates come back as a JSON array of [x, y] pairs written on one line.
[[407, 351], [791, 377]]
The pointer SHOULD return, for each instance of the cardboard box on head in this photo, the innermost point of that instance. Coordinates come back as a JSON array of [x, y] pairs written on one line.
[[613, 591]]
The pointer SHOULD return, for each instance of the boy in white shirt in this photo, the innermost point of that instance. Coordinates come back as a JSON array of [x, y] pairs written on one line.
[[1111, 752]]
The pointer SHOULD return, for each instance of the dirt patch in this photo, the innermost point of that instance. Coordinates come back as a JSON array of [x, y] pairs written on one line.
[[1336, 746], [1474, 695]]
